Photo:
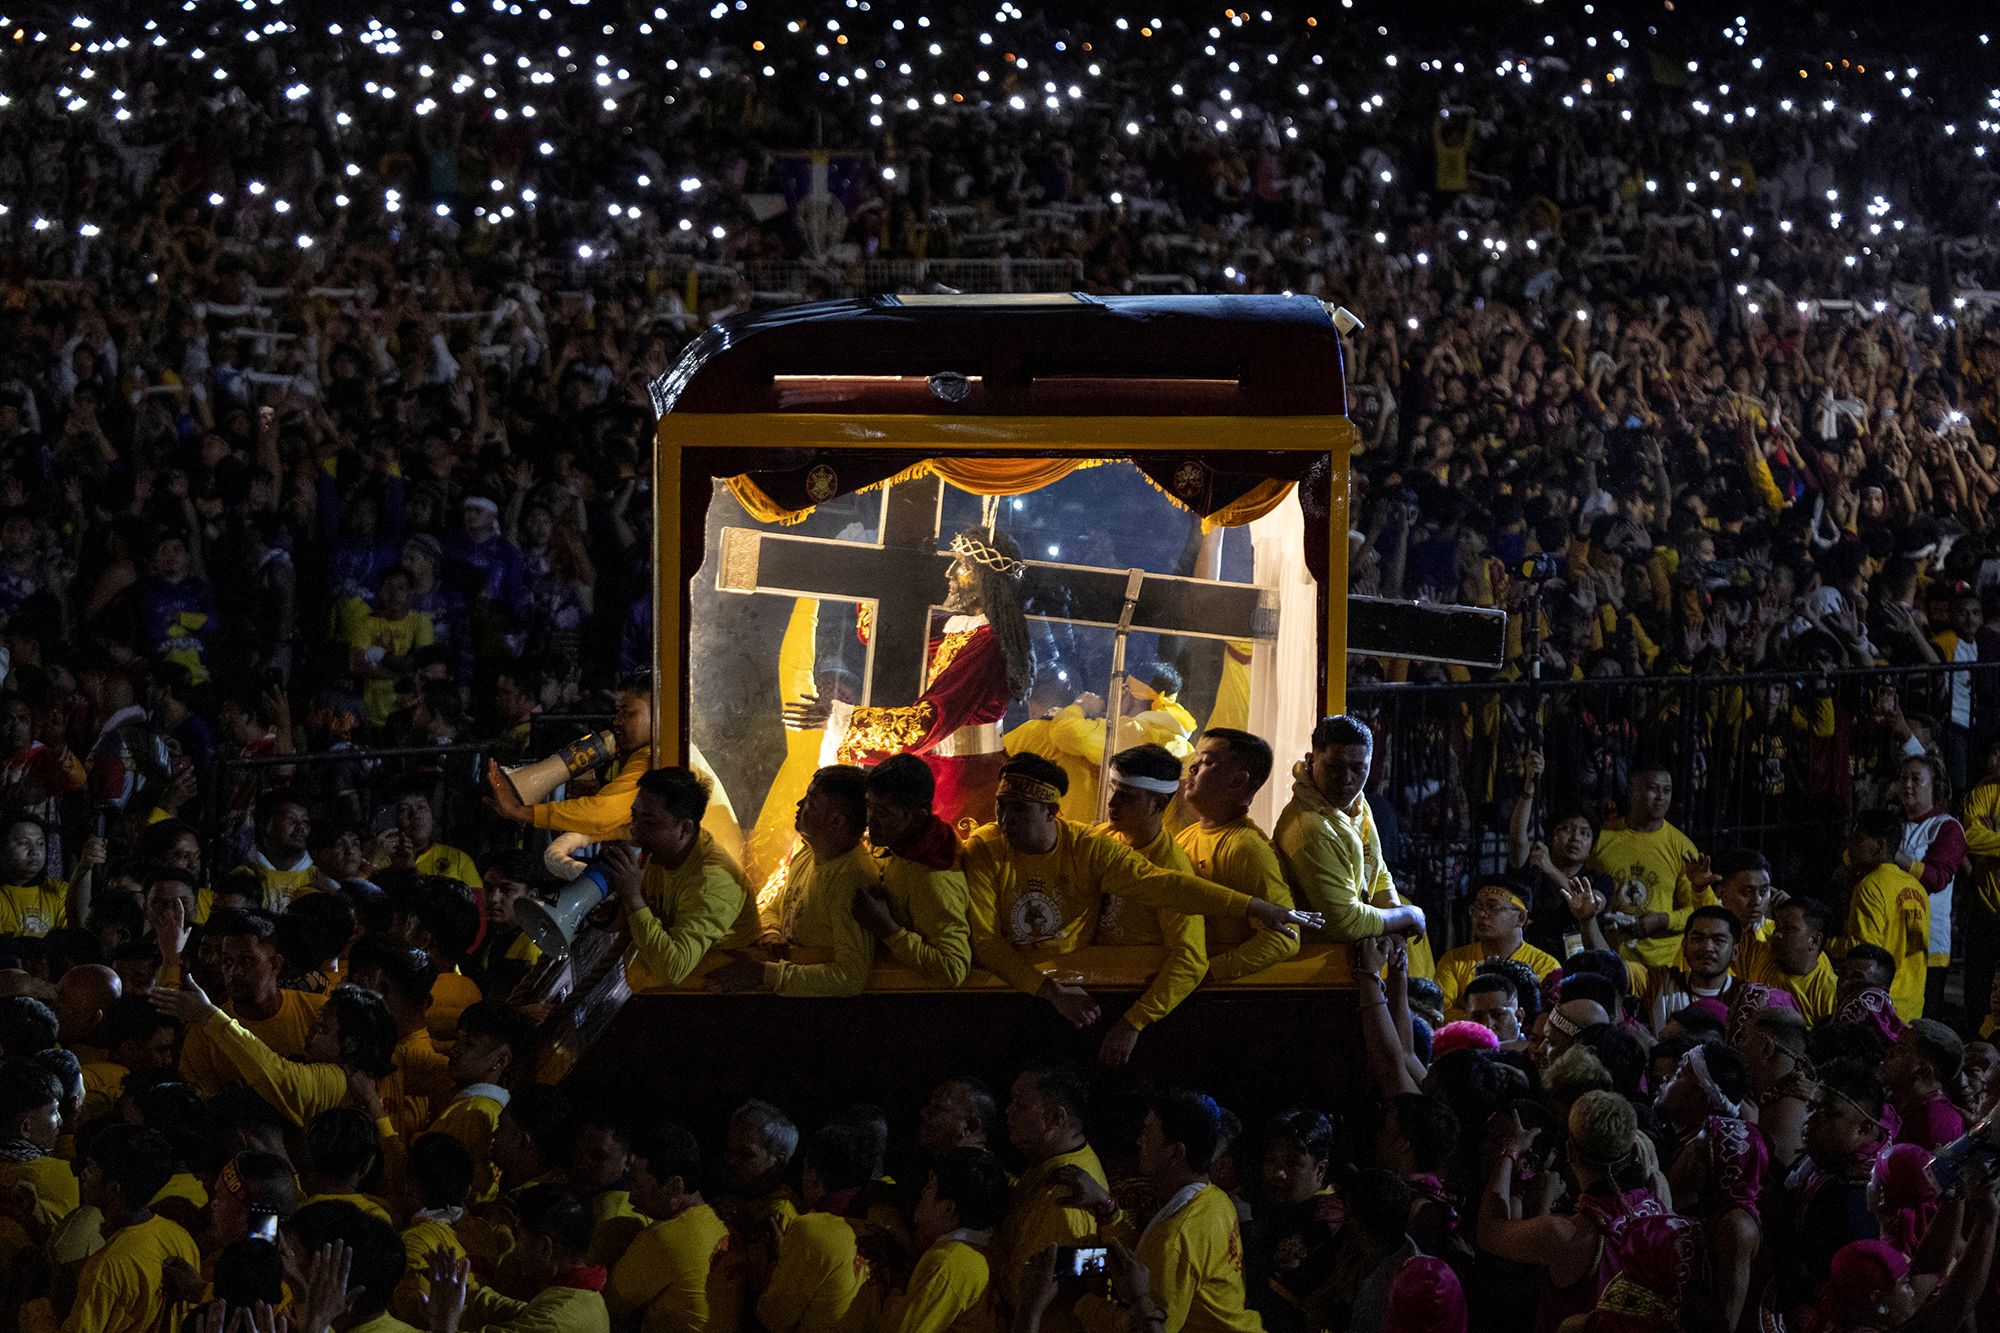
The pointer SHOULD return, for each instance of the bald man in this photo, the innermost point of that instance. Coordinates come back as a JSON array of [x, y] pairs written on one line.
[[82, 996], [1556, 1031]]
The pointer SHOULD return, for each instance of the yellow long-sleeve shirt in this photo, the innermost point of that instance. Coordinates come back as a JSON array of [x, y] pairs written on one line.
[[1237, 855], [205, 1066], [690, 909], [929, 906], [1456, 969], [1890, 909], [1982, 839], [950, 1291], [1195, 1255], [1335, 865], [604, 813], [297, 1090], [1039, 1215], [422, 1066], [821, 1281], [1654, 861], [1026, 907], [1182, 938], [423, 1235], [816, 912], [551, 1310], [472, 1117], [669, 1271], [122, 1287]]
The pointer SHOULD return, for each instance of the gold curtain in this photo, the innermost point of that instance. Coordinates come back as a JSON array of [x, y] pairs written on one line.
[[1011, 476]]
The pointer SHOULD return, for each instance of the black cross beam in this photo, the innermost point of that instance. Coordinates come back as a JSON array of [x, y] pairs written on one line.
[[903, 572]]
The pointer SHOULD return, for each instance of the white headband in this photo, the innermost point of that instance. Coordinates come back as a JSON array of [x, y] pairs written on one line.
[[1697, 1060], [481, 502], [1158, 786]]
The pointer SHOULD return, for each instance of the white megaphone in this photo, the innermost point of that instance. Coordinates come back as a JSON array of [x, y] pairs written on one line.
[[553, 926], [531, 782]]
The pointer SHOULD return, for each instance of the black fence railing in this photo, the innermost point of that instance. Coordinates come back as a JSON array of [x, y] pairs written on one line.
[[359, 786], [1778, 761]]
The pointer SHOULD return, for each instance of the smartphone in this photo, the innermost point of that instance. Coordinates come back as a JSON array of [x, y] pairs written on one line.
[[263, 1224], [1085, 1263]]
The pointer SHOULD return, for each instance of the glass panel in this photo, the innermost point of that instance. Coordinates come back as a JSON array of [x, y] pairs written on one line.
[[854, 605]]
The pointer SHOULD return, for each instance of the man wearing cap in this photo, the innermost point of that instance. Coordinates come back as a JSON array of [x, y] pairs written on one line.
[[491, 574], [1035, 884], [1331, 851], [1499, 916], [1143, 782]]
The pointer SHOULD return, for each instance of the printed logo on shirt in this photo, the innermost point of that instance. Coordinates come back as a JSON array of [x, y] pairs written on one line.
[[1108, 913], [1036, 916], [33, 924]]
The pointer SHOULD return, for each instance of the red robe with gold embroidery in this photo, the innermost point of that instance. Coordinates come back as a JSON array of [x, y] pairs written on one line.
[[968, 688]]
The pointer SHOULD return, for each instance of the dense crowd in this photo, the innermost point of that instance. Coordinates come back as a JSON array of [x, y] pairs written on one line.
[[323, 426], [1687, 1116]]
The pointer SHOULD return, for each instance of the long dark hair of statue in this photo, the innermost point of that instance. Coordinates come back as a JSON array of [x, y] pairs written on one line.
[[1000, 599]]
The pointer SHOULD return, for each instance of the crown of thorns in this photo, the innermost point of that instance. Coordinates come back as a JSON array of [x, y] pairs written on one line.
[[971, 548]]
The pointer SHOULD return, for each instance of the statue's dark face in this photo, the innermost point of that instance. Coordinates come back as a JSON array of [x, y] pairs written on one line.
[[961, 594]]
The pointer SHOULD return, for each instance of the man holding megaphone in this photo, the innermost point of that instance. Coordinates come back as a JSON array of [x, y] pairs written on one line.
[[601, 815], [687, 896]]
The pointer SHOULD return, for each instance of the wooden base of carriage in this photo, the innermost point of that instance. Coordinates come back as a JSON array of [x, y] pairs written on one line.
[[1286, 1037]]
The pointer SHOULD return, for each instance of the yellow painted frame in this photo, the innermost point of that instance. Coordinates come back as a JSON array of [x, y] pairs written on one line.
[[932, 436]]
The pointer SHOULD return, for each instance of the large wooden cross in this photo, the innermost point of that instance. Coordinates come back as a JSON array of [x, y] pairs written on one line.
[[903, 573]]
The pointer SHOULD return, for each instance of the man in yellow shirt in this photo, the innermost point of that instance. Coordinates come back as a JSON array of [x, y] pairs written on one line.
[[688, 895], [1499, 916], [549, 1260], [282, 857], [1193, 1246], [1045, 1115], [950, 1290], [755, 1202], [918, 907], [430, 1191], [1793, 959], [380, 642], [1647, 860], [811, 920], [136, 1037], [822, 1281], [440, 915], [494, 1039], [404, 977], [413, 842], [122, 1288], [248, 960], [30, 1124], [670, 1271], [1227, 771], [1144, 781], [1035, 884], [1888, 908], [1332, 853], [341, 1152]]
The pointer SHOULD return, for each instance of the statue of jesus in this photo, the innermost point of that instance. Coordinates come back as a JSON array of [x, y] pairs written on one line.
[[982, 662]]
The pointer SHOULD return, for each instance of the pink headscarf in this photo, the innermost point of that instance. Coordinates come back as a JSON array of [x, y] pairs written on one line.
[[1858, 1280], [1425, 1298], [1872, 1008], [1737, 1158], [1908, 1198], [1654, 1258]]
